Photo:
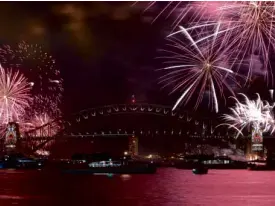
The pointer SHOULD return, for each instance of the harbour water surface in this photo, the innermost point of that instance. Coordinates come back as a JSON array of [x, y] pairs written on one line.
[[168, 187]]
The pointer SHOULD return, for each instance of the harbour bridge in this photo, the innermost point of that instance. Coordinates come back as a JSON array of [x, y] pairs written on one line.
[[129, 119]]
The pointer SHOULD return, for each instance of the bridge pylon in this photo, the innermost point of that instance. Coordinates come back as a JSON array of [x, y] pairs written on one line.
[[11, 138]]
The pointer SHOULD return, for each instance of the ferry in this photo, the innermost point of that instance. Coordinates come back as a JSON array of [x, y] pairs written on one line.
[[124, 165], [263, 164], [218, 162], [259, 165]]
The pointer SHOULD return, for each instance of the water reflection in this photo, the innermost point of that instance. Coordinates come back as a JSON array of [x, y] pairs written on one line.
[[125, 177], [168, 187]]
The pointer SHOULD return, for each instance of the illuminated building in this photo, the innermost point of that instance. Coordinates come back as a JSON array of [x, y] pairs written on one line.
[[133, 146], [11, 136]]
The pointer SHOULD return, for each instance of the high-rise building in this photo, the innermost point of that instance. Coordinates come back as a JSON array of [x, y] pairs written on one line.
[[133, 146]]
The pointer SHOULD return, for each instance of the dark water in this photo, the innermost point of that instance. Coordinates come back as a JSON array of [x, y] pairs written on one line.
[[168, 187]]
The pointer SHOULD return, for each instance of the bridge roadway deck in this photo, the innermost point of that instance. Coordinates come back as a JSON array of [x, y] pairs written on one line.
[[37, 138]]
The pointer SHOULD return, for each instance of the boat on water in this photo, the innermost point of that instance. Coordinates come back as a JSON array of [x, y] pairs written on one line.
[[260, 165], [101, 165], [218, 162], [144, 169], [200, 169]]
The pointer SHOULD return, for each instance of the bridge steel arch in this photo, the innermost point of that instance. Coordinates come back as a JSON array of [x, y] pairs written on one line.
[[118, 109]]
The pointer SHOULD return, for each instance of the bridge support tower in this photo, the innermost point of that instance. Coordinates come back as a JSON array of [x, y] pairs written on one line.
[[255, 147], [11, 138]]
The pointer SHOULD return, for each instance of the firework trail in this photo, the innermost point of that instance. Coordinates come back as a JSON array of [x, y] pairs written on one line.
[[257, 114], [250, 28], [31, 103], [271, 92], [39, 67], [200, 66], [41, 147], [251, 32], [180, 12], [46, 89], [15, 96], [44, 119]]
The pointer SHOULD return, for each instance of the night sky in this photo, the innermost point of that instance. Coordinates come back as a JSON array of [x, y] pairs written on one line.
[[106, 51]]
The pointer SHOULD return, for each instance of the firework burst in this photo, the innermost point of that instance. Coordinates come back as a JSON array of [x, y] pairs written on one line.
[[37, 123], [251, 31], [200, 66], [15, 96], [41, 120], [39, 67], [255, 114]]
